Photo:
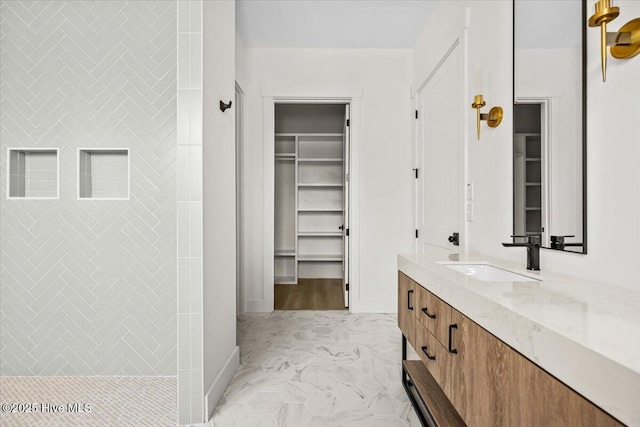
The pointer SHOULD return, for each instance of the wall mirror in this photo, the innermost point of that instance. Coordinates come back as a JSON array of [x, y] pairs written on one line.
[[549, 141]]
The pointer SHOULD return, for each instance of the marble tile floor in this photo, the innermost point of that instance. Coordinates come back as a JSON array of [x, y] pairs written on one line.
[[317, 369]]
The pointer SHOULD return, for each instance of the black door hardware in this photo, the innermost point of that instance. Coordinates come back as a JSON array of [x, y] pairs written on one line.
[[426, 311], [455, 239], [424, 350], [451, 328], [224, 106], [409, 305]]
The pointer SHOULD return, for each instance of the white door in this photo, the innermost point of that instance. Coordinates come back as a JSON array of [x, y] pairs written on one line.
[[439, 135], [345, 231]]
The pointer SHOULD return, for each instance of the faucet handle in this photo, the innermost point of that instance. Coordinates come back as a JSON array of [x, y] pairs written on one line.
[[532, 239]]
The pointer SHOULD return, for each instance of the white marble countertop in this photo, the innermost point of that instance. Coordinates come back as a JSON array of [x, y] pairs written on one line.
[[586, 334]]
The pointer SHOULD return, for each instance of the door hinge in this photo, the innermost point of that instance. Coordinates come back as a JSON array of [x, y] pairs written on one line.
[[347, 232], [348, 122], [346, 286], [346, 177], [416, 172], [416, 114], [416, 233]]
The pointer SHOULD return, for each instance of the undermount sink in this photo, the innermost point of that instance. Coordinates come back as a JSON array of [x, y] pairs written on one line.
[[488, 273]]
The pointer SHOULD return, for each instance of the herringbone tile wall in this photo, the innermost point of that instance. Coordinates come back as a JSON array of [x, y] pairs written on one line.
[[89, 287]]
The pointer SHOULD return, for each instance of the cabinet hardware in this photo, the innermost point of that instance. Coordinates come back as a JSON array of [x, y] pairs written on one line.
[[424, 350], [426, 311], [409, 305], [451, 328], [415, 170]]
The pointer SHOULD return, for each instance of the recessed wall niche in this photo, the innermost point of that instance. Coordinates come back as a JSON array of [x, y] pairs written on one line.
[[33, 173], [103, 173]]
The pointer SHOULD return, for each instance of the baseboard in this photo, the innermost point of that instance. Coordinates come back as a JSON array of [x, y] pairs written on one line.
[[257, 306], [219, 385]]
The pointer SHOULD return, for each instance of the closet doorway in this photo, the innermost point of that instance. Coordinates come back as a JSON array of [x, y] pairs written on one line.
[[311, 206]]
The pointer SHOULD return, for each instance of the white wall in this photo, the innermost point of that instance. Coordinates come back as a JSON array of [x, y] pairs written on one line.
[[220, 353], [613, 151], [386, 219]]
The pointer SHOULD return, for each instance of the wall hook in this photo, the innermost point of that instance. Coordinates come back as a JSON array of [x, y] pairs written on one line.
[[224, 106], [493, 119]]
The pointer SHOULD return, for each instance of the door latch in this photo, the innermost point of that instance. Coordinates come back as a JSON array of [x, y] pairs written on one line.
[[455, 239]]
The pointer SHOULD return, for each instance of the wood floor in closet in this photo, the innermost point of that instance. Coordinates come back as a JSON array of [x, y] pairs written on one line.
[[310, 294]]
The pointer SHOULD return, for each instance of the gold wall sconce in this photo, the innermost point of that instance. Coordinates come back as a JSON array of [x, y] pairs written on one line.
[[625, 43], [493, 119]]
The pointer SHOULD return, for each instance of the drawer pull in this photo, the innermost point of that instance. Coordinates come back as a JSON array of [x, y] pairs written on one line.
[[451, 328], [426, 311], [409, 305], [424, 350]]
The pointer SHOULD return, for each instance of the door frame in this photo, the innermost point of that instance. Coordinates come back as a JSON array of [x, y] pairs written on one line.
[[353, 98], [240, 132], [462, 44]]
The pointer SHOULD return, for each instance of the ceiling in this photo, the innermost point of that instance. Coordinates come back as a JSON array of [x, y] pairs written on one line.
[[347, 24]]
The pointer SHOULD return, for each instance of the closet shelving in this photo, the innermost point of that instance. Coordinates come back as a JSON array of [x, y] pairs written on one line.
[[314, 164], [530, 143]]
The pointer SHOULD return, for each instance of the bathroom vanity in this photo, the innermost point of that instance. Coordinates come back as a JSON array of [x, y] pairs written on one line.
[[500, 345]]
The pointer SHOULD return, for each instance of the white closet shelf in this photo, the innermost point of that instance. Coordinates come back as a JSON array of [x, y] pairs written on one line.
[[286, 156], [533, 184], [533, 209], [319, 160], [320, 234], [319, 185], [319, 258], [309, 134], [319, 210], [285, 253]]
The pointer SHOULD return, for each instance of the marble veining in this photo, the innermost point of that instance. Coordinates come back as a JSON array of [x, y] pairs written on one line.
[[317, 368], [586, 334]]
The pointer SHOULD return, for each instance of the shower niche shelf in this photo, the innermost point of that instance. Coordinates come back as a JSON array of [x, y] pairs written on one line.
[[33, 173], [103, 174]]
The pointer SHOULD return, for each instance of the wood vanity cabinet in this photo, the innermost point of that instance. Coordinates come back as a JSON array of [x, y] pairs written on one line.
[[487, 382], [433, 313], [406, 301], [480, 375]]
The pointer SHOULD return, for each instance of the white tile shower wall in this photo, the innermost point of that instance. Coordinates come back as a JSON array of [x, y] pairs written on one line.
[[88, 287], [189, 195]]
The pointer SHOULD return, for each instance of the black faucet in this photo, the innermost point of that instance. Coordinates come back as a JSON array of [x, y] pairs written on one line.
[[533, 250]]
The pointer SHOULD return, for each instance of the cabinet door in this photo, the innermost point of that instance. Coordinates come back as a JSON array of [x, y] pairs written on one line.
[[406, 301], [433, 313], [481, 372], [434, 356], [540, 400]]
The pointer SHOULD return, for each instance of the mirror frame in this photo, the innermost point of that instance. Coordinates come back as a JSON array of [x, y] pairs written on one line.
[[584, 124]]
